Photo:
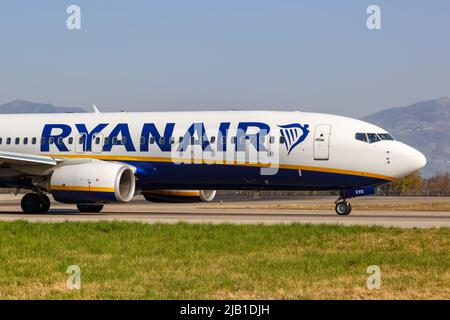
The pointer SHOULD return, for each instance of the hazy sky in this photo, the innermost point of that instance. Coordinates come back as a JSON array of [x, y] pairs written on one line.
[[187, 55]]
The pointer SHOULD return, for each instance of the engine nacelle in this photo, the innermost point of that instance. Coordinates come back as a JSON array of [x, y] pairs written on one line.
[[93, 182], [179, 195]]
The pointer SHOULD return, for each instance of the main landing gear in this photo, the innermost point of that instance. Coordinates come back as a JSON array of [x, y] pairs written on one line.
[[343, 208], [35, 203]]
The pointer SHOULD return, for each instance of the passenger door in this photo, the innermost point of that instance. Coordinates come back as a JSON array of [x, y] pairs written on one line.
[[322, 142]]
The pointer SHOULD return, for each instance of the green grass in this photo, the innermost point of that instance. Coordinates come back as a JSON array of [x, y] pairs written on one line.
[[201, 261]]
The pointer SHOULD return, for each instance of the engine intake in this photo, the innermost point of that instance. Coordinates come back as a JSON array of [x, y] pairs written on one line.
[[93, 182]]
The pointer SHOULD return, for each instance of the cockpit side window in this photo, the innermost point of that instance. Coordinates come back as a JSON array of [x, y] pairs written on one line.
[[385, 136], [361, 137], [373, 137]]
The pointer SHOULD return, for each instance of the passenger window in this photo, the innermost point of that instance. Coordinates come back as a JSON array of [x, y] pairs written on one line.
[[142, 140], [373, 137], [97, 140], [213, 139], [17, 140], [70, 140], [114, 140], [1, 139], [51, 140], [42, 140], [385, 136], [272, 140], [106, 141], [25, 140], [81, 140], [60, 140], [282, 140], [192, 140], [171, 140], [162, 140], [8, 140], [34, 140], [180, 140], [152, 140], [361, 137], [233, 140], [124, 140]]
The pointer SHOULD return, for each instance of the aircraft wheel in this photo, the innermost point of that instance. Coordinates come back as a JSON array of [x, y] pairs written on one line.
[[31, 203], [45, 203], [90, 208], [343, 208]]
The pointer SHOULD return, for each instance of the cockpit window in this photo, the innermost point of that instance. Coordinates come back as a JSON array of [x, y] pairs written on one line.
[[385, 136], [361, 137], [373, 137]]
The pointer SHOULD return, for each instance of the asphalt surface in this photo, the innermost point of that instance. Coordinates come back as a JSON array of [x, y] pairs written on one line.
[[250, 212]]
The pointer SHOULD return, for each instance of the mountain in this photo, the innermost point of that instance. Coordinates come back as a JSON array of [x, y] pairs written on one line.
[[21, 106], [424, 125]]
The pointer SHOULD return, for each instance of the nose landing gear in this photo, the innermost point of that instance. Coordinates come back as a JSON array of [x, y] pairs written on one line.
[[343, 208]]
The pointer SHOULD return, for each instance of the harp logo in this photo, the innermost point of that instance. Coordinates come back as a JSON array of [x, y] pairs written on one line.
[[293, 134]]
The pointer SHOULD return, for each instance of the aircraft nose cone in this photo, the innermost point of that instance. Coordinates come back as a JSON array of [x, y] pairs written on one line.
[[410, 160], [420, 160]]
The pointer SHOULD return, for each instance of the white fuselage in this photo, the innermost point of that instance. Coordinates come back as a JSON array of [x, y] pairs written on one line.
[[321, 149]]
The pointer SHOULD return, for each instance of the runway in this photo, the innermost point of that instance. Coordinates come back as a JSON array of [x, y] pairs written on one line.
[[249, 212]]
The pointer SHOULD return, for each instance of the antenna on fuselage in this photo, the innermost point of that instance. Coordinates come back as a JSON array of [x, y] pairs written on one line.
[[95, 109]]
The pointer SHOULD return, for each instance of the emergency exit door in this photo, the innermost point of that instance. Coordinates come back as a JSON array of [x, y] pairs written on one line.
[[322, 142]]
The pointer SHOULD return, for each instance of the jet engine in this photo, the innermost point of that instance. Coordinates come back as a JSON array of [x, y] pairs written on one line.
[[93, 182]]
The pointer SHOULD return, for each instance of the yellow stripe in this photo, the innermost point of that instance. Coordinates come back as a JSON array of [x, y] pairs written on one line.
[[79, 188], [174, 193], [225, 162]]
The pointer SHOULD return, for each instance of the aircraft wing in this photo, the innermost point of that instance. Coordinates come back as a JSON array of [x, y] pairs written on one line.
[[24, 159]]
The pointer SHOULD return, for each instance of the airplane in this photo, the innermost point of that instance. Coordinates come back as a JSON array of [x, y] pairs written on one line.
[[89, 159]]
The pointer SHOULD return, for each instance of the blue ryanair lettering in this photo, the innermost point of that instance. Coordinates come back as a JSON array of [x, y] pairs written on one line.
[[222, 136], [195, 135], [124, 131], [47, 133], [197, 129], [87, 140], [149, 129], [255, 138]]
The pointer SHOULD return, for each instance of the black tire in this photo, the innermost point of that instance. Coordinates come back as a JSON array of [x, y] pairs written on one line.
[[31, 203], [90, 208], [45, 203], [349, 208], [343, 208]]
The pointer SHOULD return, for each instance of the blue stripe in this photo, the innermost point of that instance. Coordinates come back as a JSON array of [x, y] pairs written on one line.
[[164, 175], [67, 196]]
